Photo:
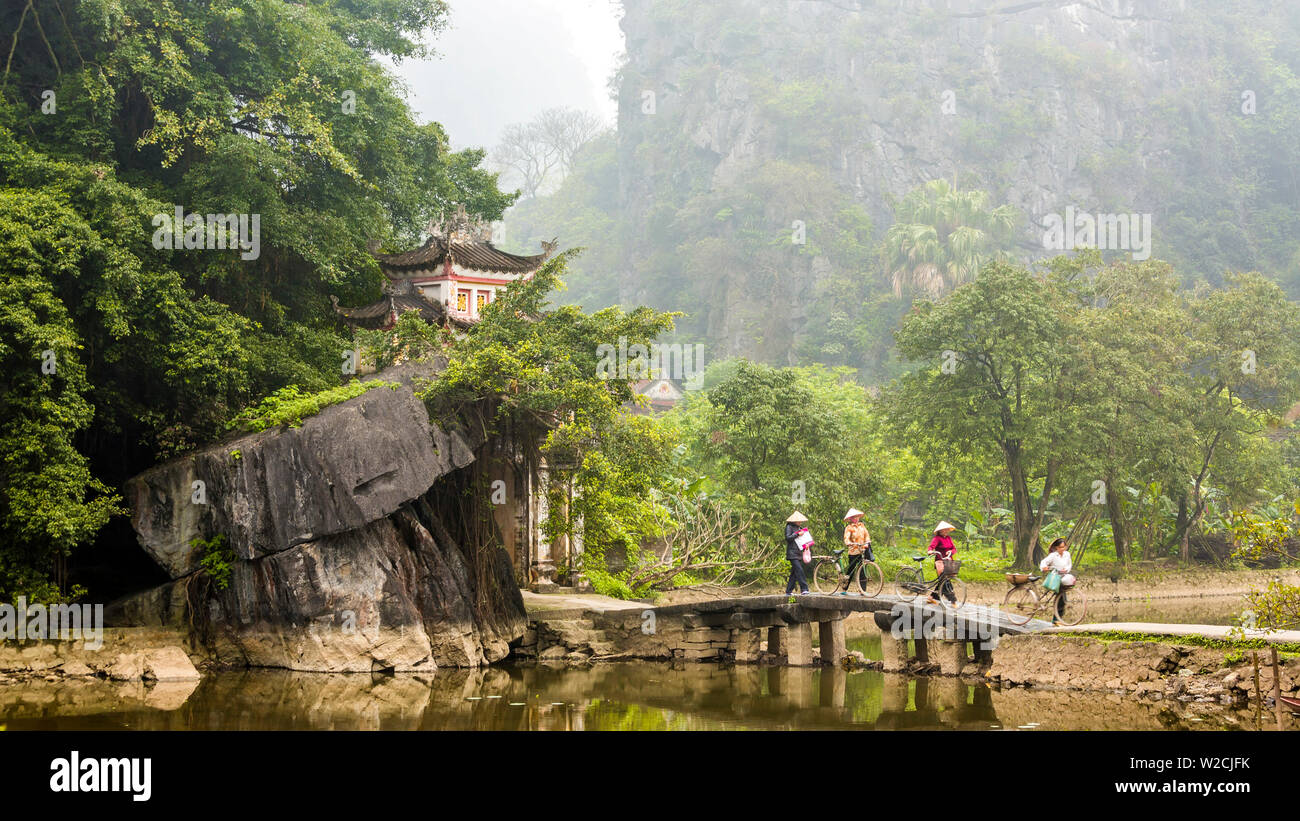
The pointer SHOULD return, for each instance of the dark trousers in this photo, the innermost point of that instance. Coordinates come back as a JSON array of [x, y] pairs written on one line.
[[945, 590], [854, 561], [1060, 603], [948, 593], [796, 575]]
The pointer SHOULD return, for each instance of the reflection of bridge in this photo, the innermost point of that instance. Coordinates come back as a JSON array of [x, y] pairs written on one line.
[[757, 697], [734, 629]]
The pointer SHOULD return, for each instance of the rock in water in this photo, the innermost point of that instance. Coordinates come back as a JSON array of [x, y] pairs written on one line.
[[347, 558]]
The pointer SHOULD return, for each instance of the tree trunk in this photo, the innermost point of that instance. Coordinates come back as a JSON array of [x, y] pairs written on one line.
[[1115, 509], [1038, 553], [1180, 525], [1025, 524], [1022, 512]]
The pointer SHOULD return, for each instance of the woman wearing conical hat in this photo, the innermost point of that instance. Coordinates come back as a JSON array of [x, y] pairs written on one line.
[[943, 548], [856, 539], [794, 526]]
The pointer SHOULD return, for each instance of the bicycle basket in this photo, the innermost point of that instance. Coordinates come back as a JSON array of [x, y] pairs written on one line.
[[1018, 578]]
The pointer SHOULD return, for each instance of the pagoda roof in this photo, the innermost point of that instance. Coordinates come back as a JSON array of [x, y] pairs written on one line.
[[475, 254], [465, 240], [378, 313]]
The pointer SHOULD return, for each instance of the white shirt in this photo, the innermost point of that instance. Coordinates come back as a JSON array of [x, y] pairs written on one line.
[[1060, 562]]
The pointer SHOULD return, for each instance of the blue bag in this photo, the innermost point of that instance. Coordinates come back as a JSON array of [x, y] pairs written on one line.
[[1053, 581]]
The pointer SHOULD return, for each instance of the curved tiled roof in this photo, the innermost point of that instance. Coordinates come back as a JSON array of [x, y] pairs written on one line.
[[376, 314], [480, 256]]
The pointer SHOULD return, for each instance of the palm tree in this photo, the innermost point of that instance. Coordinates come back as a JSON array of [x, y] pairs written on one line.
[[941, 237]]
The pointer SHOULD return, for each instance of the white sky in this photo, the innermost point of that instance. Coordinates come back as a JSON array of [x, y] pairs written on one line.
[[503, 61]]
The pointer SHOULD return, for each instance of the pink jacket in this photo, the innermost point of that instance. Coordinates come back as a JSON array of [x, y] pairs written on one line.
[[943, 546]]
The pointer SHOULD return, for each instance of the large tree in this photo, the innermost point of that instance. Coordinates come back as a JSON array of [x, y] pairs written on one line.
[[998, 369]]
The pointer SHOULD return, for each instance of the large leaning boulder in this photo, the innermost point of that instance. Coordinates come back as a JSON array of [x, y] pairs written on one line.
[[350, 465], [347, 558]]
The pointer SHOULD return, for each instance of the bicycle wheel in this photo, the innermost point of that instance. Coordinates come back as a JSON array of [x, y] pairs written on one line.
[[869, 579], [958, 590], [1076, 607], [908, 583], [1020, 604], [826, 576]]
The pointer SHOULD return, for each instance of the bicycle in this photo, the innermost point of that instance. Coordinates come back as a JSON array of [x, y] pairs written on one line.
[[910, 583], [829, 572], [1022, 602]]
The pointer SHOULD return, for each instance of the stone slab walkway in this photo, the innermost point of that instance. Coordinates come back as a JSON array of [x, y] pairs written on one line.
[[573, 605]]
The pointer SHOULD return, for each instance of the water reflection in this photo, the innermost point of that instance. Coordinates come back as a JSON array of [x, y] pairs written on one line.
[[630, 695]]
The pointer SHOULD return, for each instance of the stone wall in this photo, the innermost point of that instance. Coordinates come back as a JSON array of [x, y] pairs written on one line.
[[1157, 670]]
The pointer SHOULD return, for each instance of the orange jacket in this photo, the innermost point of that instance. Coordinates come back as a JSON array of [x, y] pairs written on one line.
[[855, 536]]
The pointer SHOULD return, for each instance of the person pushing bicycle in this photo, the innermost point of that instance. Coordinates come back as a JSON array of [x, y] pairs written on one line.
[[1058, 560], [857, 539], [942, 547]]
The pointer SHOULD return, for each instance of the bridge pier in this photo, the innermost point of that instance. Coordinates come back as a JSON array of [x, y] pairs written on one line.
[[831, 637], [776, 641], [793, 641], [744, 645], [951, 655], [798, 644], [899, 647]]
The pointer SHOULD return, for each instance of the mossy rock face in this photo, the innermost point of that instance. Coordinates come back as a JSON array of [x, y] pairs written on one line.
[[349, 465], [342, 555]]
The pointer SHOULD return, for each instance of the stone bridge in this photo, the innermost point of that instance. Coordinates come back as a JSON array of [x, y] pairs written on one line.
[[763, 628]]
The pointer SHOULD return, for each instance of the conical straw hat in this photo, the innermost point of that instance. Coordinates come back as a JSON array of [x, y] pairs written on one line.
[[853, 511], [797, 517], [943, 526]]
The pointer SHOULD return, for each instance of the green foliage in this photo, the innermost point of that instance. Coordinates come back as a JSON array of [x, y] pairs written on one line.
[[223, 107], [216, 558], [289, 406], [772, 440], [941, 237], [411, 339], [1112, 373], [606, 584], [51, 500], [535, 371], [1270, 532]]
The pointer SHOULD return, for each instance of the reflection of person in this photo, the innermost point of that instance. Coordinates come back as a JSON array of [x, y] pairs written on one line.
[[1058, 559], [943, 548], [793, 527], [857, 540]]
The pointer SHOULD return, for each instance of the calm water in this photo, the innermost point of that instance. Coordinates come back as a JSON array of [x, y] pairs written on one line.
[[625, 695], [621, 696]]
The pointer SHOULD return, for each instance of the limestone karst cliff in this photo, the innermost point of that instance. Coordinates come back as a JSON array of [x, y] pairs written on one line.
[[761, 146]]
